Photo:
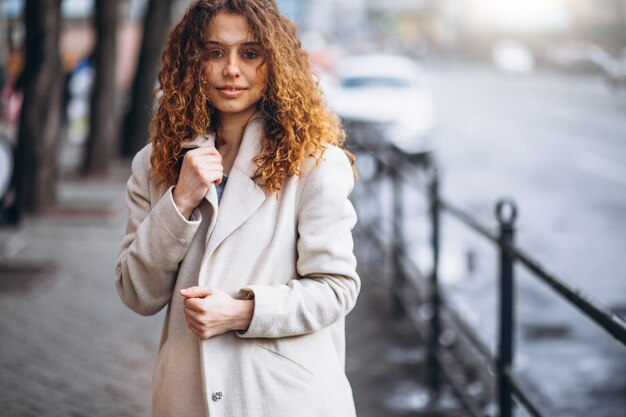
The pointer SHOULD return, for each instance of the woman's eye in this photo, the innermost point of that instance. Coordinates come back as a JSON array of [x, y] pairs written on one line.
[[250, 54], [215, 54]]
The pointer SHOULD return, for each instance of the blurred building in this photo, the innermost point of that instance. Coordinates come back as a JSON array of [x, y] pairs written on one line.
[[465, 26], [473, 25], [416, 27]]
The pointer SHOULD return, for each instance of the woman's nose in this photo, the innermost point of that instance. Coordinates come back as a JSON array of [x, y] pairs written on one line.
[[232, 66]]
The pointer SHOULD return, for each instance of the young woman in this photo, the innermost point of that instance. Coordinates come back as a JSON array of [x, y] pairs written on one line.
[[239, 222]]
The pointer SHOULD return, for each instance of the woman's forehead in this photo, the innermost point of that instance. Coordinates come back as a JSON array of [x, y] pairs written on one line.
[[229, 29]]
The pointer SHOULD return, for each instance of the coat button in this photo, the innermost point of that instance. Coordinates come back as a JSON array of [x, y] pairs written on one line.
[[217, 395]]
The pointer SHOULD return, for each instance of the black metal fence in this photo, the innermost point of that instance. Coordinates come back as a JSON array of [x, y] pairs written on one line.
[[415, 292]]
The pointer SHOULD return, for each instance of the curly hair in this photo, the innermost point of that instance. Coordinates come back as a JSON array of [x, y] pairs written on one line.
[[299, 125]]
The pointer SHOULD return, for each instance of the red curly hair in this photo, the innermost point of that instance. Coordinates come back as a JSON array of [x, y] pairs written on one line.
[[298, 123]]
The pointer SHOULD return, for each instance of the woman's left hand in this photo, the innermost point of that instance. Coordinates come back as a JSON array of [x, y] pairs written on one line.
[[210, 312]]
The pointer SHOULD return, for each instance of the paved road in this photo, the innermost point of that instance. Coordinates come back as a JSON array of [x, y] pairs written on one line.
[[558, 145]]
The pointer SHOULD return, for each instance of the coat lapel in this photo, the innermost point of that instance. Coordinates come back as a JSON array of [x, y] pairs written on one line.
[[242, 195]]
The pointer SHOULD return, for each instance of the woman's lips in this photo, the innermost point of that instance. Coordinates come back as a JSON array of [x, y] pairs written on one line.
[[230, 91]]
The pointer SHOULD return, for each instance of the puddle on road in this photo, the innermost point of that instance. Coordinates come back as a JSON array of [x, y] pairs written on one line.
[[400, 355], [407, 396]]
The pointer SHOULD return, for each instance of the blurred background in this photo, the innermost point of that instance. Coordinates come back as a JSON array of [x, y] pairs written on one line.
[[524, 99]]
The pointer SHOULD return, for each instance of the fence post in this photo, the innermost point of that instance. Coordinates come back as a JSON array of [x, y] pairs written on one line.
[[435, 324], [372, 195], [398, 236], [506, 213]]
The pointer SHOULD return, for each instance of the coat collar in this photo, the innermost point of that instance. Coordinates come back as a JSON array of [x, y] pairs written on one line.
[[251, 145], [249, 148], [242, 195]]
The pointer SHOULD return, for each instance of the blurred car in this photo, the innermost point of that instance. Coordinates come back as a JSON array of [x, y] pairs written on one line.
[[512, 57], [615, 71], [385, 99], [583, 57]]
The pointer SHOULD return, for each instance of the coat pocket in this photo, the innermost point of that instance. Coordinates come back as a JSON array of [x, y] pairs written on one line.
[[282, 387], [281, 369]]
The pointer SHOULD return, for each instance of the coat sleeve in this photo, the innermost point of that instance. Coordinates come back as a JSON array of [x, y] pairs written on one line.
[[156, 240], [327, 284]]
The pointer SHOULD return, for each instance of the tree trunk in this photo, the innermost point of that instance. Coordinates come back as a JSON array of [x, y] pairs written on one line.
[[40, 119], [4, 45], [103, 121], [156, 28]]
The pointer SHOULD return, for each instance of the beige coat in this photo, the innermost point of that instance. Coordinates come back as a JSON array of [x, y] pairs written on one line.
[[293, 254]]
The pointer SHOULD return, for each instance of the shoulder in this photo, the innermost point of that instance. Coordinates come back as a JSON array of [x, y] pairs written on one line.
[[141, 161], [330, 159], [140, 178], [329, 170]]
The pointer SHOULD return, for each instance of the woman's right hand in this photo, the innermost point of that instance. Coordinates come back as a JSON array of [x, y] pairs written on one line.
[[201, 167]]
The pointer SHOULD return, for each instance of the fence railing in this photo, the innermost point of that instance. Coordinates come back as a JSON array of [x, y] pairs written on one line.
[[413, 290]]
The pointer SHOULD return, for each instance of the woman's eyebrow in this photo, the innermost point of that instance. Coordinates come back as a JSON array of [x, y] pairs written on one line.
[[249, 43]]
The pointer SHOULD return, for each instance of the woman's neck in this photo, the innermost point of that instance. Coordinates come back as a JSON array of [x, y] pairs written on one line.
[[229, 136], [230, 130]]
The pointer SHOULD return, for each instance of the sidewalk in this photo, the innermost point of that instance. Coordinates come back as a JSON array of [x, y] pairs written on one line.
[[70, 348]]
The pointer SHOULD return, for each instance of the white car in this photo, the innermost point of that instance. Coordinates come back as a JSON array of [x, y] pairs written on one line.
[[384, 97]]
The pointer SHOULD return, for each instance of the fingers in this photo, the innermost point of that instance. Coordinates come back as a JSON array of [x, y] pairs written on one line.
[[199, 331], [193, 317], [211, 174], [199, 311], [196, 292], [206, 166], [201, 150], [194, 297], [193, 304], [196, 325], [203, 162], [194, 322], [204, 152]]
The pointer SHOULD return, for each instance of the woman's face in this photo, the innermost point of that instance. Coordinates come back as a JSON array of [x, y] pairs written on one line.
[[235, 68]]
